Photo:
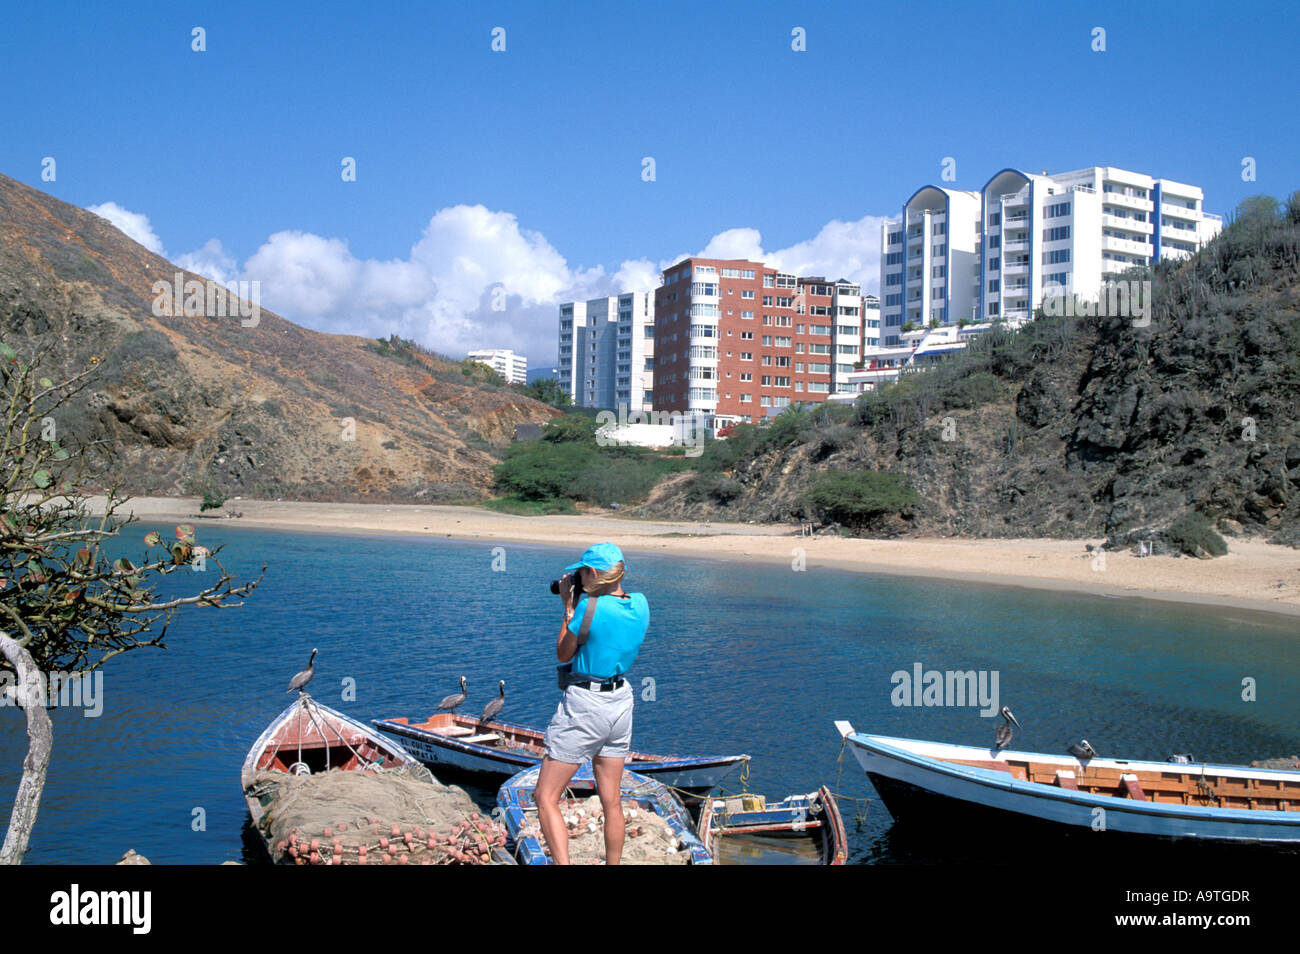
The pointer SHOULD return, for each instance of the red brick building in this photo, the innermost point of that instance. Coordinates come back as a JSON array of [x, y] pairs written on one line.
[[738, 341]]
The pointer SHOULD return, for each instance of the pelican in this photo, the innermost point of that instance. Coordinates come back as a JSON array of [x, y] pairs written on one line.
[[304, 677], [456, 699], [1002, 735], [497, 704], [1082, 750]]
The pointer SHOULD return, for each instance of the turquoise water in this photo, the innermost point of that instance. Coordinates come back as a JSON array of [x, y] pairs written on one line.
[[750, 659]]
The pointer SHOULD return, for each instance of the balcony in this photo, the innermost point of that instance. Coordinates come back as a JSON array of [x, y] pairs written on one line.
[[1127, 201], [1110, 243], [1015, 198], [1179, 211], [1021, 245], [1132, 225]]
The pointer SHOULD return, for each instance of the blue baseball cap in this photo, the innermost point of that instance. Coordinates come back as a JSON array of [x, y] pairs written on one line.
[[602, 556]]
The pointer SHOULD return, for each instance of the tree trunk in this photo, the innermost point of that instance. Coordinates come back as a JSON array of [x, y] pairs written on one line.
[[40, 740]]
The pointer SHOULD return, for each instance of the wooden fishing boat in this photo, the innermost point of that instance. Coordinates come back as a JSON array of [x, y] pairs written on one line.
[[939, 782], [519, 812], [813, 819], [308, 738], [505, 748]]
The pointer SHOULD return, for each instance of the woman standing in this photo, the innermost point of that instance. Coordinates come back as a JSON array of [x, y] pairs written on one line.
[[599, 639]]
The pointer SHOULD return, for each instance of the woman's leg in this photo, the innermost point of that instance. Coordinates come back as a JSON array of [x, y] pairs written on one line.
[[609, 784], [551, 781]]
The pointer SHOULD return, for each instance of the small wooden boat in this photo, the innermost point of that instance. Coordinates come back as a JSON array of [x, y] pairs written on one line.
[[937, 781], [809, 825], [504, 748], [308, 738], [519, 812]]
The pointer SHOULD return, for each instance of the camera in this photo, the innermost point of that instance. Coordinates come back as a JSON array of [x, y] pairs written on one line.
[[577, 585]]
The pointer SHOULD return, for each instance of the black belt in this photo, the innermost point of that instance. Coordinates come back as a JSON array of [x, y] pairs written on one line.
[[609, 685]]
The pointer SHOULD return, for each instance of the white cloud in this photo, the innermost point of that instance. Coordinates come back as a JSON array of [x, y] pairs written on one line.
[[469, 261], [211, 261], [134, 225]]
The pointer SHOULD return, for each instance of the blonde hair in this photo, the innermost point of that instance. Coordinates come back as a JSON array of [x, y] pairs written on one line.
[[606, 577]]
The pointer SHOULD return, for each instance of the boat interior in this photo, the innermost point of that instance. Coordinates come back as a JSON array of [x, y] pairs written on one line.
[[1192, 785], [321, 744]]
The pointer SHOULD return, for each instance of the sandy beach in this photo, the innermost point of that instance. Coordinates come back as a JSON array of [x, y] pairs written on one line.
[[1254, 575]]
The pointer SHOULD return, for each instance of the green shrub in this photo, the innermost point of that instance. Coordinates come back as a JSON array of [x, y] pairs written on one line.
[[1192, 531], [718, 488], [856, 498], [212, 501]]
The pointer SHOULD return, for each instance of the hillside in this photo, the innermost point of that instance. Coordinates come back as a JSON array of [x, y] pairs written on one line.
[[1074, 427], [195, 403]]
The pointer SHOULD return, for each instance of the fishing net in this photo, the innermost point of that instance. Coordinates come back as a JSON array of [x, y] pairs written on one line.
[[397, 816], [648, 839]]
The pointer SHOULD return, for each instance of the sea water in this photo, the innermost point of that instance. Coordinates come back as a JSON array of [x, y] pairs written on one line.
[[739, 658]]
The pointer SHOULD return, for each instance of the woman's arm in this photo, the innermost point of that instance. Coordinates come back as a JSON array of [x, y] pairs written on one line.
[[566, 644]]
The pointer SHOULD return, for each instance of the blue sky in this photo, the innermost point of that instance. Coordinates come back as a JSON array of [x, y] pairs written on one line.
[[523, 169]]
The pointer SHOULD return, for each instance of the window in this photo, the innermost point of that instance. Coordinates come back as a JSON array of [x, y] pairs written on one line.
[[767, 360], [895, 279], [1056, 234], [798, 385], [767, 281], [895, 238], [746, 376], [747, 336], [746, 356], [747, 293], [747, 273], [766, 381], [746, 398], [766, 401], [1056, 256], [783, 342], [819, 329], [730, 273], [767, 301], [782, 382], [747, 315], [995, 218], [1057, 210], [767, 341], [994, 285], [783, 361], [894, 258], [895, 299]]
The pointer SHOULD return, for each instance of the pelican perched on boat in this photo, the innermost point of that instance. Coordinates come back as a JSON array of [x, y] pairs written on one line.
[[1002, 735], [496, 705], [452, 702], [304, 677], [1082, 750]]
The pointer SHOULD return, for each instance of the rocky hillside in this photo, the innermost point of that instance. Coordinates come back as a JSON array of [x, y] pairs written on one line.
[[1085, 426], [198, 403]]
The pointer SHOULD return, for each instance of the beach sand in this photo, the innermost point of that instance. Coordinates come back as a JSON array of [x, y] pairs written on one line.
[[1254, 575]]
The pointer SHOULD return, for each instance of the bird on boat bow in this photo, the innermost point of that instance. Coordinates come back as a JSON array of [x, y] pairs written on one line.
[[300, 681], [496, 705], [1002, 735], [455, 700], [1082, 750]]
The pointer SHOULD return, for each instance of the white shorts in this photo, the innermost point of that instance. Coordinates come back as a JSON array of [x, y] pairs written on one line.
[[589, 723]]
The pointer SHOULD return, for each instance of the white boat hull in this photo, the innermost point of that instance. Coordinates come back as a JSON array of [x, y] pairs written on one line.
[[902, 768]]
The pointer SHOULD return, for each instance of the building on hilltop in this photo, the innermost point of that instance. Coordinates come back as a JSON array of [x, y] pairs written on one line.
[[737, 341], [513, 367]]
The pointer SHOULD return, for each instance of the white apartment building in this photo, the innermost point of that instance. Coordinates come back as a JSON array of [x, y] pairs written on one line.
[[607, 351], [929, 262], [513, 367], [1080, 229], [955, 256], [870, 322]]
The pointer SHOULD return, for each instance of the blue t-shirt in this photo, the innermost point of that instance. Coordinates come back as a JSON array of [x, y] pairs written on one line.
[[617, 629]]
